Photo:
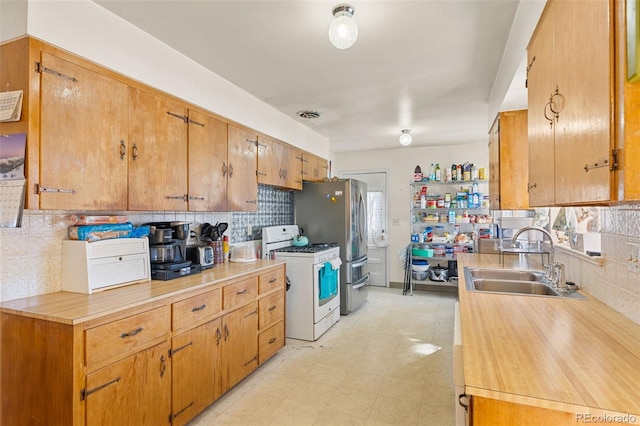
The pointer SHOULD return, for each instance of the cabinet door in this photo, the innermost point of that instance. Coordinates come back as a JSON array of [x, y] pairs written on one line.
[[242, 184], [207, 163], [157, 153], [271, 158], [83, 138], [293, 175], [582, 43], [240, 355], [314, 168], [494, 165], [195, 363], [541, 118], [513, 161], [134, 391]]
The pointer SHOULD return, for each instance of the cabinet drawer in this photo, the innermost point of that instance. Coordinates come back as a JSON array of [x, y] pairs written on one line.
[[236, 295], [196, 308], [270, 310], [126, 336], [271, 280], [270, 342]]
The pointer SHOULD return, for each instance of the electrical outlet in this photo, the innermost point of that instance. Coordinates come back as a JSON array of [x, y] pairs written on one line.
[[249, 229], [396, 222]]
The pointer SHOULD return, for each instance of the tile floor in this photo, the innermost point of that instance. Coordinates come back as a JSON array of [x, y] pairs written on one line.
[[387, 363]]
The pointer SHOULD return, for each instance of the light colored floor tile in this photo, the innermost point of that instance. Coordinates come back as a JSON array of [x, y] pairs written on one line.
[[387, 363], [395, 411], [293, 413]]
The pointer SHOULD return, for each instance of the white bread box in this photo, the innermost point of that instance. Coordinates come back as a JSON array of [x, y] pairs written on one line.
[[100, 265]]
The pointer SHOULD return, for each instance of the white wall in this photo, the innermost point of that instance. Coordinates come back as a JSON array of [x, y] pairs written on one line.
[[401, 164], [88, 30]]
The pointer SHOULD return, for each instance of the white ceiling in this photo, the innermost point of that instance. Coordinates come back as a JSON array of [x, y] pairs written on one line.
[[424, 65]]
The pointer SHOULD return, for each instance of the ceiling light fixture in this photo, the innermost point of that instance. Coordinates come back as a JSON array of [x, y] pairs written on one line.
[[405, 137], [343, 31]]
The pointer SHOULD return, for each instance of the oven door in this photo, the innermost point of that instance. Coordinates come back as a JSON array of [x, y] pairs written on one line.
[[326, 290]]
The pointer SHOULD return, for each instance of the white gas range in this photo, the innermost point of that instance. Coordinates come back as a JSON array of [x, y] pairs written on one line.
[[313, 270]]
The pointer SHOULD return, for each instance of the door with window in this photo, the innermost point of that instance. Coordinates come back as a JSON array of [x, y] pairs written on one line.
[[376, 224]]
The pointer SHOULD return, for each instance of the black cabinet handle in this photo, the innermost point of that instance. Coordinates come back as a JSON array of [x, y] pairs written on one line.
[[131, 333], [199, 308]]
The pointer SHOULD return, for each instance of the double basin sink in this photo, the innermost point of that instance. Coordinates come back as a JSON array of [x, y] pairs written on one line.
[[514, 281]]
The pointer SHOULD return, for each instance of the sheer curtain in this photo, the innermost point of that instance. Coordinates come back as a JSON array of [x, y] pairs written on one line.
[[376, 214]]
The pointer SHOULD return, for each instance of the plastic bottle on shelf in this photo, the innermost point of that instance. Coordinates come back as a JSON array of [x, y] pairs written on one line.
[[447, 174], [459, 172], [454, 172], [474, 173], [432, 172], [417, 174], [438, 173]]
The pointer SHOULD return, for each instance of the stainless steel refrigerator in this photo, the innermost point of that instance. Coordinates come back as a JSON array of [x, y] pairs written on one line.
[[336, 212]]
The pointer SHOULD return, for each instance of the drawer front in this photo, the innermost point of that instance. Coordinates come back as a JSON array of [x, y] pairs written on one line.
[[270, 310], [270, 341], [271, 280], [197, 308], [238, 294], [126, 336]]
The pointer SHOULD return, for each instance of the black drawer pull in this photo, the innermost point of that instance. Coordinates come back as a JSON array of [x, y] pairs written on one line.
[[272, 340], [199, 308], [272, 308], [273, 280], [251, 313], [241, 292], [87, 392], [131, 333]]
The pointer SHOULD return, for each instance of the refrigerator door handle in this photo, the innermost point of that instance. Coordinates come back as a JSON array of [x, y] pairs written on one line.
[[362, 282], [359, 264]]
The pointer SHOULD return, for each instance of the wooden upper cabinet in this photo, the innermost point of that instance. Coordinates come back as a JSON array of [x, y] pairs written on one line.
[[242, 184], [207, 163], [157, 152], [541, 119], [279, 164], [508, 162], [584, 134], [314, 168], [293, 176], [83, 142], [570, 104]]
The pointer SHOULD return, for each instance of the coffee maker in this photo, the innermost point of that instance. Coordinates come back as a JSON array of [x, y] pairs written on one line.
[[167, 251]]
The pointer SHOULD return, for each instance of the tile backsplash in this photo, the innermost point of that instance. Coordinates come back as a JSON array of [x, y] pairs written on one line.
[[613, 283], [30, 256]]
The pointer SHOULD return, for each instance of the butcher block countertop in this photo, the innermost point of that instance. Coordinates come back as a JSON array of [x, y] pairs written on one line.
[[74, 308], [568, 355]]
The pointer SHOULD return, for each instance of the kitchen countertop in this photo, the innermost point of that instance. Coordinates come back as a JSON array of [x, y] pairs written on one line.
[[554, 353], [74, 308]]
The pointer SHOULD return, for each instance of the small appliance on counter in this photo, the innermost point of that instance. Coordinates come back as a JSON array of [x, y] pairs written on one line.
[[167, 251]]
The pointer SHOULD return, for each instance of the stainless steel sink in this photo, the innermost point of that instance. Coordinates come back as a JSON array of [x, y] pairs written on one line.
[[513, 281], [507, 274], [520, 287]]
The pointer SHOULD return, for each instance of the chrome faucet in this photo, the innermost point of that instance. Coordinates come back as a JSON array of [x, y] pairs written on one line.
[[554, 270]]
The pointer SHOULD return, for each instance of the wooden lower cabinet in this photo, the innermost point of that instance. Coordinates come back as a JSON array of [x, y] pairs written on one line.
[[134, 391], [240, 344], [492, 412], [195, 359], [160, 362]]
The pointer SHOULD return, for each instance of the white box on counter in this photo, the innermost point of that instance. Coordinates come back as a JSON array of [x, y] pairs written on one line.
[[100, 265]]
